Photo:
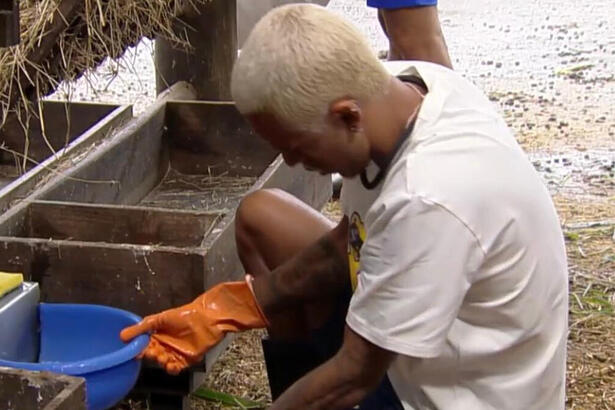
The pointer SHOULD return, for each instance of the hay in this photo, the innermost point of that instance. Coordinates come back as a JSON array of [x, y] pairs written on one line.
[[240, 371], [62, 40], [198, 192]]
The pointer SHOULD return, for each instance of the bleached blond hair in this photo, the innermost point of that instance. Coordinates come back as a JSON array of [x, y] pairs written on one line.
[[299, 59]]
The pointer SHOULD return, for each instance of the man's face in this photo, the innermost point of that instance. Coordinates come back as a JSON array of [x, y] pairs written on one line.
[[340, 147]]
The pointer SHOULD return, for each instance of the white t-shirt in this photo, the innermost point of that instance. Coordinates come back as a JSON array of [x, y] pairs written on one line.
[[461, 260]]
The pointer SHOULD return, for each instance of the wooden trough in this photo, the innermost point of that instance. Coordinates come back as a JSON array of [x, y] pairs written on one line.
[[68, 128], [145, 221]]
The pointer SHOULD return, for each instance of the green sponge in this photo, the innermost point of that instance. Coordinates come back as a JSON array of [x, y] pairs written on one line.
[[9, 281]]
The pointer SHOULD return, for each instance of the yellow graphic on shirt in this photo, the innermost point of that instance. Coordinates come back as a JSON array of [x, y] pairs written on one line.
[[356, 239]]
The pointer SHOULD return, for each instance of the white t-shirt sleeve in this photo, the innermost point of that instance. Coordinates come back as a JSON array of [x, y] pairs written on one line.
[[416, 266]]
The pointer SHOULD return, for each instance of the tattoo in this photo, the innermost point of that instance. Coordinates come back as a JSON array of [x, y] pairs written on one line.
[[320, 271]]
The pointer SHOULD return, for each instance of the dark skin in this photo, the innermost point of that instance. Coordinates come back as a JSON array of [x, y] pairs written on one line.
[[415, 34], [359, 366], [299, 272]]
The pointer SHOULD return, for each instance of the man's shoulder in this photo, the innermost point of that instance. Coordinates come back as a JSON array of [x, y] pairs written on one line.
[[413, 67]]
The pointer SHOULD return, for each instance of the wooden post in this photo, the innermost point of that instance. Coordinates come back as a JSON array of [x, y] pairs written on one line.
[[211, 28], [9, 23]]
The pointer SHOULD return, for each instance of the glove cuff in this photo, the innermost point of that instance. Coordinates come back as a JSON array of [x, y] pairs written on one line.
[[249, 281]]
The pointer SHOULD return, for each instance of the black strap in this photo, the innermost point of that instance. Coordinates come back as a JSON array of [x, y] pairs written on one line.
[[382, 171], [402, 138]]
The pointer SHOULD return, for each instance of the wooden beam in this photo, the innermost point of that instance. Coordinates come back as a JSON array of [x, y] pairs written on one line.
[[122, 169], [63, 121], [212, 137], [117, 224], [142, 279], [87, 136], [211, 29]]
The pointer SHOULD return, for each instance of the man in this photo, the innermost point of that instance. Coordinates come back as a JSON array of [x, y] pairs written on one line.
[[456, 257], [412, 26], [413, 29]]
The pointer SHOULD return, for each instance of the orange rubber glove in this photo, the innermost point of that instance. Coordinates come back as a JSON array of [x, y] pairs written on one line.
[[181, 336]]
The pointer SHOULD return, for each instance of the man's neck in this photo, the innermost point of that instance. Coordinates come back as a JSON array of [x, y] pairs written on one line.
[[389, 115]]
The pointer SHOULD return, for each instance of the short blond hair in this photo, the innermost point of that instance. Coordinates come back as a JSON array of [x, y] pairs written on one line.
[[299, 59]]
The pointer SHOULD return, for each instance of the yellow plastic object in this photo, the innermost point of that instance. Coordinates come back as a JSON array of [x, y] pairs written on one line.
[[9, 281]]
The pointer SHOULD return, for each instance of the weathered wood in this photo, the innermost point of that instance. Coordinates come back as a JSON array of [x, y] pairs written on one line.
[[87, 132], [25, 389], [139, 278], [130, 160], [213, 137], [117, 224], [9, 23], [63, 122], [128, 166], [211, 29]]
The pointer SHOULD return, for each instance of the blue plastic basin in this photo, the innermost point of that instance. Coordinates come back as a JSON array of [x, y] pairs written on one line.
[[83, 341]]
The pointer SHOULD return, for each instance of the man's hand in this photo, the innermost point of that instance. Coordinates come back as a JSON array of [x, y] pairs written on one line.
[[181, 336], [343, 381]]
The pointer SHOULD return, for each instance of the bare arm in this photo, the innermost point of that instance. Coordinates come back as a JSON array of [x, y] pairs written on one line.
[[319, 271], [341, 382]]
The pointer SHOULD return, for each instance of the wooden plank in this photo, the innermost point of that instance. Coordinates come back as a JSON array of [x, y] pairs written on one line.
[[86, 179], [53, 165], [122, 170], [25, 389], [125, 167], [211, 29], [213, 137], [139, 278], [63, 122], [117, 224]]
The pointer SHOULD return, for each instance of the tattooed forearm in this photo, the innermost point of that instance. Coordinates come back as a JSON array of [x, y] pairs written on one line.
[[319, 271]]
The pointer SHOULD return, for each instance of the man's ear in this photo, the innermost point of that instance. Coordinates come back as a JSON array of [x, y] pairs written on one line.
[[347, 112]]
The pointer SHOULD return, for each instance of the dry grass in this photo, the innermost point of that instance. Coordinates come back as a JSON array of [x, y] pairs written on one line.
[[239, 371], [62, 40], [203, 192], [591, 343]]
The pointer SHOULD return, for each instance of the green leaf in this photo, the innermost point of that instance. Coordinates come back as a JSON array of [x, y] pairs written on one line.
[[571, 236], [227, 399]]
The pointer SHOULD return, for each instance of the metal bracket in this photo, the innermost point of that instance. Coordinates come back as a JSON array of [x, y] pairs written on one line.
[[9, 23]]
